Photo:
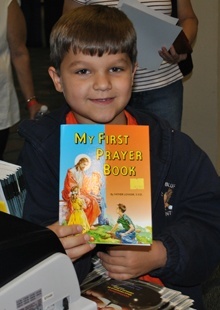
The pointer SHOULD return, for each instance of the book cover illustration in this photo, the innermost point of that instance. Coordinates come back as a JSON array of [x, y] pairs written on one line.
[[132, 294], [105, 182]]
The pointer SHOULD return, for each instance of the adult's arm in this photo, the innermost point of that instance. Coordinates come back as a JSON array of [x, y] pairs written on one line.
[[189, 22], [187, 19], [16, 36]]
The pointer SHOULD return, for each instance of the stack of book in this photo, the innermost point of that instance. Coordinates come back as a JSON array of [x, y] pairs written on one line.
[[12, 189], [130, 294]]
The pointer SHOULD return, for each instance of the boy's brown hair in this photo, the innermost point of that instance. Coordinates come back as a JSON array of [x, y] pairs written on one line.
[[122, 207], [93, 30]]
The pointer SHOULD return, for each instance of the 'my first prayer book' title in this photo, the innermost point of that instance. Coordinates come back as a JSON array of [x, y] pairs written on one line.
[[105, 182]]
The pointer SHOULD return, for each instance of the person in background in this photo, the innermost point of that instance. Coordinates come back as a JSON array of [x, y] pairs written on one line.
[[93, 63], [13, 50], [161, 91], [33, 17], [52, 12], [40, 17]]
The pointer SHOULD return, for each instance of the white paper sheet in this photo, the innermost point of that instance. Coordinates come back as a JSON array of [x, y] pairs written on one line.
[[154, 30]]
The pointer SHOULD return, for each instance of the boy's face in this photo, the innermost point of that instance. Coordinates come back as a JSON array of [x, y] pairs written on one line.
[[96, 88]]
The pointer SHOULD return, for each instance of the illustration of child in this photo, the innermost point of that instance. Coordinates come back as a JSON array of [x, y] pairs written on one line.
[[127, 234], [76, 176], [77, 214]]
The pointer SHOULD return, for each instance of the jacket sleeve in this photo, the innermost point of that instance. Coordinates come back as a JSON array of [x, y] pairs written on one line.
[[40, 165], [191, 234], [42, 200]]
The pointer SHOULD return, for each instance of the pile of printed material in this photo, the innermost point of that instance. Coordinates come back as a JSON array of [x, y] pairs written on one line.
[[12, 189], [130, 294]]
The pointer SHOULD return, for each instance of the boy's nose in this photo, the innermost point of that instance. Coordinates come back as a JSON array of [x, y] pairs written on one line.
[[102, 82]]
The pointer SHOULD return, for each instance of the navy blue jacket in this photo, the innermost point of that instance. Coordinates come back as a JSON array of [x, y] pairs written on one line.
[[189, 228]]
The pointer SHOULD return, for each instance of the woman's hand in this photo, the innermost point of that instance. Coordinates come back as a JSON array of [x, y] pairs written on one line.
[[125, 262], [171, 56], [34, 109], [74, 242]]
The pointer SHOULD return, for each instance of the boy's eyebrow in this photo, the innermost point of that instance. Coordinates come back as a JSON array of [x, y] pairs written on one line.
[[75, 63], [85, 62]]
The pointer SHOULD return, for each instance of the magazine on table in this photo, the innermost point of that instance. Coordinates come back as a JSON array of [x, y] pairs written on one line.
[[133, 294]]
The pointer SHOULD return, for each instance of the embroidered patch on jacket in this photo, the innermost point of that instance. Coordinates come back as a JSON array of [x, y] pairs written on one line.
[[167, 198]]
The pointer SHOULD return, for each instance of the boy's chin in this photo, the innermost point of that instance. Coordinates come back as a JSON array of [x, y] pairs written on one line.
[[103, 117], [110, 119]]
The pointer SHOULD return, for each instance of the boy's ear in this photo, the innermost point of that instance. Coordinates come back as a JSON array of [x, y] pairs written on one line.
[[56, 79], [134, 71]]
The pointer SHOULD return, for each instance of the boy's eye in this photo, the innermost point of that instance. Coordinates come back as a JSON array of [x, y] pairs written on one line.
[[116, 69], [82, 71]]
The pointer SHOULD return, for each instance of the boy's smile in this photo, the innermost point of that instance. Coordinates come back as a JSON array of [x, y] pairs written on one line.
[[96, 88]]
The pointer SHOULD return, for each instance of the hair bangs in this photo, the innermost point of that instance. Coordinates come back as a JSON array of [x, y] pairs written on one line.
[[98, 43], [92, 30]]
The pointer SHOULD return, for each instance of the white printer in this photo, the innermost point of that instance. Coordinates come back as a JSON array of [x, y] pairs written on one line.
[[50, 285], [35, 272]]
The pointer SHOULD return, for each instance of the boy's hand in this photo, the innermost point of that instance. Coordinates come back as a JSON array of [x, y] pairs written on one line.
[[74, 242], [125, 262]]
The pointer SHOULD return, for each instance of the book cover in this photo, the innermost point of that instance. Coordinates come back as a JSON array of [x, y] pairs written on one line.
[[105, 182], [154, 30], [3, 202]]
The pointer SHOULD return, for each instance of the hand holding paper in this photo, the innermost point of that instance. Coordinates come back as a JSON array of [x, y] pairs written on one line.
[[154, 30]]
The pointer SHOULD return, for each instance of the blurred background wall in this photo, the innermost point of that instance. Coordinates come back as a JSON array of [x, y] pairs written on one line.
[[201, 114]]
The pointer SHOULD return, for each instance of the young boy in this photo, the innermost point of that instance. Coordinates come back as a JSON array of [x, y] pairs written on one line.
[[127, 233], [93, 54]]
